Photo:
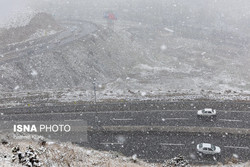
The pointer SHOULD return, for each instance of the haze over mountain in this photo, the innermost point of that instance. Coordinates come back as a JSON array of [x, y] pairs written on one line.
[[155, 46]]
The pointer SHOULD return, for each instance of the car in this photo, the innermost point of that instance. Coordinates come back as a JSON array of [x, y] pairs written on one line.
[[206, 113], [208, 149]]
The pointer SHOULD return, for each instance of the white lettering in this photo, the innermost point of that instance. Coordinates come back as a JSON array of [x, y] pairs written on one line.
[[33, 128], [25, 128], [67, 128], [42, 127], [48, 128], [55, 128], [19, 128]]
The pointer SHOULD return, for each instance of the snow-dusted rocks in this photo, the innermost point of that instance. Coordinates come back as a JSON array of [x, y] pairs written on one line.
[[178, 161]]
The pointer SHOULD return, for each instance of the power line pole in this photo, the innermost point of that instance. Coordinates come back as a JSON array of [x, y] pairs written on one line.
[[96, 114], [94, 84]]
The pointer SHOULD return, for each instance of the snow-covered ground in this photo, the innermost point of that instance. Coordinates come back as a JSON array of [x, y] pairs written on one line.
[[136, 62], [53, 153], [40, 33], [19, 36], [125, 67], [79, 96], [56, 154]]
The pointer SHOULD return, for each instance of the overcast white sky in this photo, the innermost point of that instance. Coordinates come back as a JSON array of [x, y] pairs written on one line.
[[9, 7], [14, 13], [233, 9]]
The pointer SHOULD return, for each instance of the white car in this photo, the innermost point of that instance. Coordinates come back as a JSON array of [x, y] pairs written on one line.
[[208, 149], [206, 113]]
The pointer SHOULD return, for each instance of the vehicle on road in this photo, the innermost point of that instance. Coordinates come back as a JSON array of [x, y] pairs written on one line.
[[206, 113], [208, 149]]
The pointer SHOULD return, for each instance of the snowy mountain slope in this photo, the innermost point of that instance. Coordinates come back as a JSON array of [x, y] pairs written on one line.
[[191, 63], [104, 55], [39, 22], [141, 59]]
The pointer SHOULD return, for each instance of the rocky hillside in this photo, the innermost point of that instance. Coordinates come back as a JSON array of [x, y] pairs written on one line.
[[40, 21], [104, 55], [140, 58]]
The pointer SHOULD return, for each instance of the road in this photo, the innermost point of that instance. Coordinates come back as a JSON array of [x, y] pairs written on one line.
[[133, 132], [225, 119], [72, 31], [154, 132], [160, 146]]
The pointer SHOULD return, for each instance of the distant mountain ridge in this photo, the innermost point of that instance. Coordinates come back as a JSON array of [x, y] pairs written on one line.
[[40, 21]]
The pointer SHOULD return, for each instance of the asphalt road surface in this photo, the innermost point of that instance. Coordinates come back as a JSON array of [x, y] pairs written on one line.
[[155, 145], [160, 146], [149, 145], [225, 119]]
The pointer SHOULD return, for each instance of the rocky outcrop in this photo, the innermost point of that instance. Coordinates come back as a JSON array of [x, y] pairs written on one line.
[[40, 21]]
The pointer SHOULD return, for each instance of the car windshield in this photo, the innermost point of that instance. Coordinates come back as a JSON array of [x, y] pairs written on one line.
[[124, 82], [213, 147]]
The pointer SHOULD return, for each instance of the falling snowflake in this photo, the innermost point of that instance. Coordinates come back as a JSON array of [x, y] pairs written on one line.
[[143, 93], [34, 73], [17, 87], [163, 47]]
